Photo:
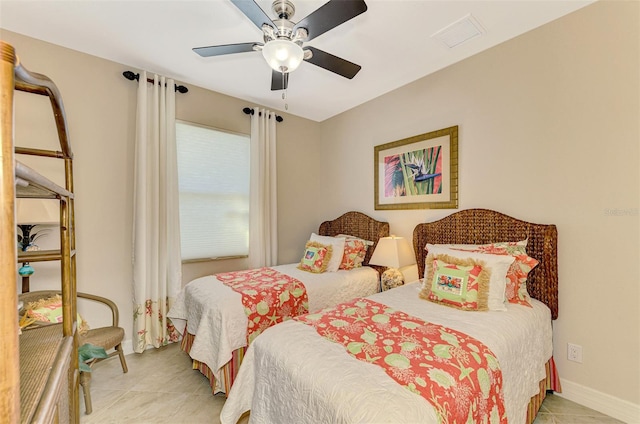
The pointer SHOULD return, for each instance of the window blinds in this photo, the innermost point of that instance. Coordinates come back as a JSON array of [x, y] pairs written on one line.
[[213, 179]]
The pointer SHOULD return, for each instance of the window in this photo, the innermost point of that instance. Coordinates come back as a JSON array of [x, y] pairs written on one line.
[[213, 181]]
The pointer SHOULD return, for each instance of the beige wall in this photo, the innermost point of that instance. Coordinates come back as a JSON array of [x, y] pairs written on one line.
[[100, 105], [549, 132]]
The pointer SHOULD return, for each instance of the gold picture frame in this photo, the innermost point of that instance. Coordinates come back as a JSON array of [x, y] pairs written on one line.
[[419, 172]]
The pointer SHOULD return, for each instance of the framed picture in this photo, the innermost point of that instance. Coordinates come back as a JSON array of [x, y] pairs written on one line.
[[419, 172]]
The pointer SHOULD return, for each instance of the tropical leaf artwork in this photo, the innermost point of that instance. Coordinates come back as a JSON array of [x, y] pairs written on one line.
[[414, 173], [393, 177]]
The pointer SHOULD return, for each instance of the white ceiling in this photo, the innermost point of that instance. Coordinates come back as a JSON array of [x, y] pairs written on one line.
[[391, 41]]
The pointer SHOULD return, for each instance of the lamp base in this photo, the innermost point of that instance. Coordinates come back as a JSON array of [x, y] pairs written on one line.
[[391, 278]]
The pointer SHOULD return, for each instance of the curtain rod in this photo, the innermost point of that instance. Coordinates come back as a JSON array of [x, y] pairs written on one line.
[[250, 111], [131, 76]]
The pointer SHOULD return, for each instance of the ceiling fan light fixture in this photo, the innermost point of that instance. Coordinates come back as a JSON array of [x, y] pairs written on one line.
[[283, 55]]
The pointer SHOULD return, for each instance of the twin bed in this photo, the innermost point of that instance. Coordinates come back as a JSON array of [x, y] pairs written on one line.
[[315, 368], [213, 320]]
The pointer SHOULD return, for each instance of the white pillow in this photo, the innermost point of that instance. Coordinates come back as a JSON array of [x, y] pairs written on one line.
[[498, 264], [337, 243]]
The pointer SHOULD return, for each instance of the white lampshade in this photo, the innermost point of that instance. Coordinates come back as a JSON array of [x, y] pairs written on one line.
[[393, 252], [37, 211], [283, 55]]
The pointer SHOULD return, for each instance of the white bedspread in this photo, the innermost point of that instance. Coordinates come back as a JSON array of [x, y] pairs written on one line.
[[213, 312], [292, 375]]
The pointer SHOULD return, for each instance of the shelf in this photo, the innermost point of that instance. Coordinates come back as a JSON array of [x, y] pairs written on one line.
[[39, 367], [41, 255], [30, 184]]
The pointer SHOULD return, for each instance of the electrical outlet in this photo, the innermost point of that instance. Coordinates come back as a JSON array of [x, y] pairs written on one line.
[[574, 352]]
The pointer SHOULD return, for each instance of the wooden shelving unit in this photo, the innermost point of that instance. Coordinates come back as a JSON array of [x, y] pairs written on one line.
[[40, 366]]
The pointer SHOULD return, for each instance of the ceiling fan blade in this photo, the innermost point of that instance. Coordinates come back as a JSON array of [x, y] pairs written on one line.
[[330, 15], [333, 63], [278, 82], [225, 49], [254, 12]]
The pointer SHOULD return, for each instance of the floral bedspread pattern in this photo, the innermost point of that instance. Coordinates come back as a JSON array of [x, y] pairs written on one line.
[[268, 296], [456, 373]]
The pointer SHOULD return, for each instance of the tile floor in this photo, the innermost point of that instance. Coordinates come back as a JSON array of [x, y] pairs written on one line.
[[161, 388]]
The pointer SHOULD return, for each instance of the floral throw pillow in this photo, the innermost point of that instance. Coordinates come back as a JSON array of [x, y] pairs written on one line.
[[516, 289], [459, 283], [337, 249], [50, 311], [316, 257], [498, 264], [355, 250]]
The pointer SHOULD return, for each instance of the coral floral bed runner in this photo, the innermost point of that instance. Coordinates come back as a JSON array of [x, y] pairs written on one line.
[[268, 296], [456, 373]]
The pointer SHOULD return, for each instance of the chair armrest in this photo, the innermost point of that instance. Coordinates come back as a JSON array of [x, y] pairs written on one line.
[[109, 303]]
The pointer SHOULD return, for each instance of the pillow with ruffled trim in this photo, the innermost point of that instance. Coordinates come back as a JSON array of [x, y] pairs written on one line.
[[316, 257], [462, 283], [498, 264], [50, 311], [337, 245]]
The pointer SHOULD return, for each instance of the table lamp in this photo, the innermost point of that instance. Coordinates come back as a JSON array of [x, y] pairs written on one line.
[[392, 252]]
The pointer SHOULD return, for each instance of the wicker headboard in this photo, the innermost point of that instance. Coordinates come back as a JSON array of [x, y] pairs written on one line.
[[480, 226], [359, 225]]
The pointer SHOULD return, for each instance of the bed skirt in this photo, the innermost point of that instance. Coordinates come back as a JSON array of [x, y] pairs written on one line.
[[229, 370], [550, 383]]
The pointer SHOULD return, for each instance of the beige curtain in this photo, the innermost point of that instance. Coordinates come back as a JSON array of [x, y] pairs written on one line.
[[263, 224], [156, 227]]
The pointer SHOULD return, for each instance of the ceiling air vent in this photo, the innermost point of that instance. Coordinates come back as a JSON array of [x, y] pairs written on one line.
[[459, 32]]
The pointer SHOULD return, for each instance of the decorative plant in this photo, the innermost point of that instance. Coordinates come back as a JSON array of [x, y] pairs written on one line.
[[87, 353], [28, 238]]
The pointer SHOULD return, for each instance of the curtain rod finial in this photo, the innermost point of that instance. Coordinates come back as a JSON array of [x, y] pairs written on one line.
[[131, 76]]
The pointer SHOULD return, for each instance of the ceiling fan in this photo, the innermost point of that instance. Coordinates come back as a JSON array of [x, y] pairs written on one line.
[[283, 38]]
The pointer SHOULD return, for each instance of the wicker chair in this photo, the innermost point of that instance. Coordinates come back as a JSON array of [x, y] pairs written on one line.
[[106, 337]]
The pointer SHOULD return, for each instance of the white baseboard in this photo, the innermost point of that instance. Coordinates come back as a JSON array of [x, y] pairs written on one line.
[[609, 405], [127, 346]]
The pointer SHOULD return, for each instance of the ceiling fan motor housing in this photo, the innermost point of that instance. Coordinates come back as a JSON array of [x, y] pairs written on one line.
[[284, 26], [284, 29]]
